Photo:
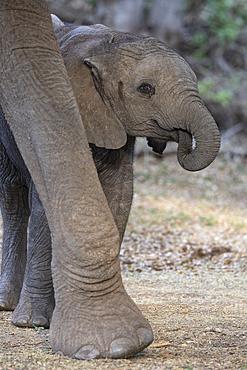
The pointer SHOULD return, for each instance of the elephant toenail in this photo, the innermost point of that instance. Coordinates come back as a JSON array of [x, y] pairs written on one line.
[[145, 337], [40, 321], [21, 321], [122, 348], [87, 353], [3, 305]]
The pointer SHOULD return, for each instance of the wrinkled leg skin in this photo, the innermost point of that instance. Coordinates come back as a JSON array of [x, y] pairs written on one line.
[[36, 304], [15, 214], [37, 296], [119, 328], [115, 171], [93, 316], [36, 301]]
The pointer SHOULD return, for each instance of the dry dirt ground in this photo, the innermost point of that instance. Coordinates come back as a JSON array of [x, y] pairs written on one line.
[[184, 262]]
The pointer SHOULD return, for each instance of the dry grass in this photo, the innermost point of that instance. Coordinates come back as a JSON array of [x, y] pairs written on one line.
[[187, 220]]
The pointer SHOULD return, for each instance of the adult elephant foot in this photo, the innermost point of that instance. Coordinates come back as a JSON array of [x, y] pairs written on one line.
[[9, 296], [33, 311], [109, 325]]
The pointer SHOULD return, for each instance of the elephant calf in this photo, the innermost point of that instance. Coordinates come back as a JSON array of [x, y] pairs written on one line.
[[125, 86]]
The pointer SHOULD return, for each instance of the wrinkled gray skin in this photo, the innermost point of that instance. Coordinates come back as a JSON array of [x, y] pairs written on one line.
[[125, 86]]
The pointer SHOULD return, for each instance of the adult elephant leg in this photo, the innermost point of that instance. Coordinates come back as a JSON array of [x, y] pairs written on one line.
[[115, 171], [94, 316], [15, 214], [36, 302]]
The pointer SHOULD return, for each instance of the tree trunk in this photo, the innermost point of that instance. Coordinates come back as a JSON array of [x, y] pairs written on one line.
[[166, 20], [121, 15]]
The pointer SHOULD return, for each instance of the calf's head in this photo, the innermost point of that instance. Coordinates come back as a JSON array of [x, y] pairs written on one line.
[[136, 85]]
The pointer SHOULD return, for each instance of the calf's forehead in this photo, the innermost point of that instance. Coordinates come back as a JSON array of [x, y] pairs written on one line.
[[158, 65], [136, 54]]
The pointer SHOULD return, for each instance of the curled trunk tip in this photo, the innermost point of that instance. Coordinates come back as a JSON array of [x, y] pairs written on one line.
[[196, 152]]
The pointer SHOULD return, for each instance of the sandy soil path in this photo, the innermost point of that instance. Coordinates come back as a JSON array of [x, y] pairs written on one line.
[[199, 322]]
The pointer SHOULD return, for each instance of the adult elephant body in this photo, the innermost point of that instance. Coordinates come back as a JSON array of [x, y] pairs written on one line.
[[125, 86]]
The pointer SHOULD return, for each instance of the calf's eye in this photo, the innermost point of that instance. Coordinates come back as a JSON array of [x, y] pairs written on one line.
[[147, 89]]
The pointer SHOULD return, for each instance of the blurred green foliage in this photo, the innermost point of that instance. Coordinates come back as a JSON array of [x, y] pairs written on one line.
[[207, 88], [226, 18], [221, 19], [91, 2]]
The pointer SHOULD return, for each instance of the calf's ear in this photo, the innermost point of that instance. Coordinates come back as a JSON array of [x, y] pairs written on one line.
[[102, 125], [56, 22]]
